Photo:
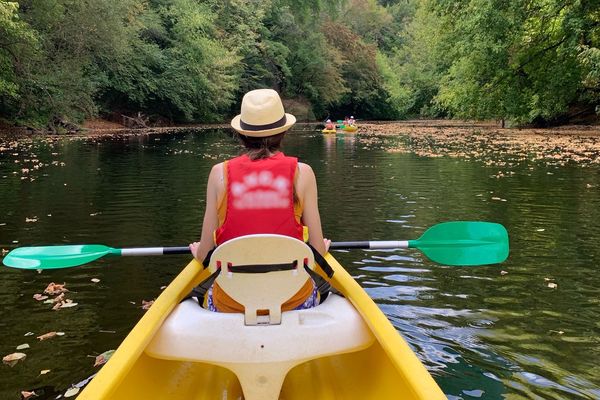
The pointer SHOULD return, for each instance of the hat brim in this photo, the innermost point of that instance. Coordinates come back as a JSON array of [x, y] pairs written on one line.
[[290, 120]]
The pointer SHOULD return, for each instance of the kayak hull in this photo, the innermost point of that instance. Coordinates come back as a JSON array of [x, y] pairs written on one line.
[[326, 131], [350, 128], [386, 369]]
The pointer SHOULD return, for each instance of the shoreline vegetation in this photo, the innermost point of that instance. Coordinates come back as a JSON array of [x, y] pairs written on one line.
[[173, 62]]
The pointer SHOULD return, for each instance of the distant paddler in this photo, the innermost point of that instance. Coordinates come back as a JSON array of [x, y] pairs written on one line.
[[329, 127]]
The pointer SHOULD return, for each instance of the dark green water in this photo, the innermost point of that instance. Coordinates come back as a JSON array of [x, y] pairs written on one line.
[[481, 334]]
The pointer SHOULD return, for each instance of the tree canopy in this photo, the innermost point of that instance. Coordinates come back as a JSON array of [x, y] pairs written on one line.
[[534, 61]]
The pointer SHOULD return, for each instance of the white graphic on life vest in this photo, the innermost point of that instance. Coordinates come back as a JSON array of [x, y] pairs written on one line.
[[261, 190]]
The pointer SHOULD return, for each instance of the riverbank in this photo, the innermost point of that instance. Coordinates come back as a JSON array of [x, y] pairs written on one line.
[[484, 140]]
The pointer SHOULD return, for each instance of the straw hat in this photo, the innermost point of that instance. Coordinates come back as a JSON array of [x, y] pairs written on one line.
[[262, 114]]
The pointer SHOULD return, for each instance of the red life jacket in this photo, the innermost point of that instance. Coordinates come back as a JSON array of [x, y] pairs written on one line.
[[260, 198]]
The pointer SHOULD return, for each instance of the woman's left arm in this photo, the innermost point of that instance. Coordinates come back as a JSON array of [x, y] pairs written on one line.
[[307, 192]]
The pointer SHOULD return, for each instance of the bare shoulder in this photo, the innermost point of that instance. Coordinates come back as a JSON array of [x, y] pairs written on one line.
[[216, 175], [305, 169], [306, 177]]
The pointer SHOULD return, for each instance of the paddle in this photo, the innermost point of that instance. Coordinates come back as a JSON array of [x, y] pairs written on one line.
[[451, 243]]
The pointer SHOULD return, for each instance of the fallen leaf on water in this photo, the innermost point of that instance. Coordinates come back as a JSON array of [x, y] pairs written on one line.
[[44, 371], [147, 304], [72, 392], [60, 298], [13, 358], [68, 304], [34, 219], [55, 288], [103, 358], [95, 280], [47, 335], [503, 272], [29, 334], [540, 230], [552, 285], [23, 346], [26, 395]]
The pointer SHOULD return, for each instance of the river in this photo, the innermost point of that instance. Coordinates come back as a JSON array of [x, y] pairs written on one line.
[[527, 328]]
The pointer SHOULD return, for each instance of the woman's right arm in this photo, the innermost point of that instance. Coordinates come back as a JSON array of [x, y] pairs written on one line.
[[211, 220]]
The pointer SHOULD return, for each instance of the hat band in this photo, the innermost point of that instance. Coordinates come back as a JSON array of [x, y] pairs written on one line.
[[250, 127]]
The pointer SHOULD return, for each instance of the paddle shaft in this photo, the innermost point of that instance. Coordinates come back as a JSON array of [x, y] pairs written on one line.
[[159, 251], [382, 244], [153, 251]]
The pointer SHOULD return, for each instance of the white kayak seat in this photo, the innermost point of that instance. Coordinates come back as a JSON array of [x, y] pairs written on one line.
[[260, 355], [261, 272]]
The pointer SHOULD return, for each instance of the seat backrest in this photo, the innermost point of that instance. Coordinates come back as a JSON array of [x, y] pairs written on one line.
[[262, 272]]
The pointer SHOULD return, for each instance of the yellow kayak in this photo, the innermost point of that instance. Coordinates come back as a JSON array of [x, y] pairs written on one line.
[[350, 128], [329, 131], [344, 348]]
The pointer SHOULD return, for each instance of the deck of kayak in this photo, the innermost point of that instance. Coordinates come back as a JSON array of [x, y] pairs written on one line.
[[387, 369]]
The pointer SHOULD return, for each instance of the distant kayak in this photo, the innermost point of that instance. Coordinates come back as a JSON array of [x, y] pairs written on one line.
[[350, 128], [329, 131]]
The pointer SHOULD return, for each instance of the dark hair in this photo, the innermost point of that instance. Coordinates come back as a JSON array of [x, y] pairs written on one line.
[[261, 147]]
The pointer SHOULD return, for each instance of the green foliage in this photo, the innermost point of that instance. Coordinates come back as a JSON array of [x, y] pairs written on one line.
[[192, 60], [517, 60], [17, 47]]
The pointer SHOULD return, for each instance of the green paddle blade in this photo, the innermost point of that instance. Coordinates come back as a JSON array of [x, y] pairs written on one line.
[[51, 257], [464, 243]]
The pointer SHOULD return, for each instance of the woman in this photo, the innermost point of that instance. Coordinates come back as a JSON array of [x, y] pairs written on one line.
[[261, 191]]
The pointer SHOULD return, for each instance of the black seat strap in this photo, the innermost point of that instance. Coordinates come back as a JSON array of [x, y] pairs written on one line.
[[323, 287], [322, 262], [262, 268], [200, 291]]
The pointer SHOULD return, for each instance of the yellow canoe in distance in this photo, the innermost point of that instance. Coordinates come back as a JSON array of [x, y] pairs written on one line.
[[350, 128], [329, 131], [383, 368]]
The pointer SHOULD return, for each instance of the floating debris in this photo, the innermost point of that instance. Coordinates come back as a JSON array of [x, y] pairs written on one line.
[[47, 336], [55, 288], [103, 358], [147, 304], [72, 392], [13, 359]]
